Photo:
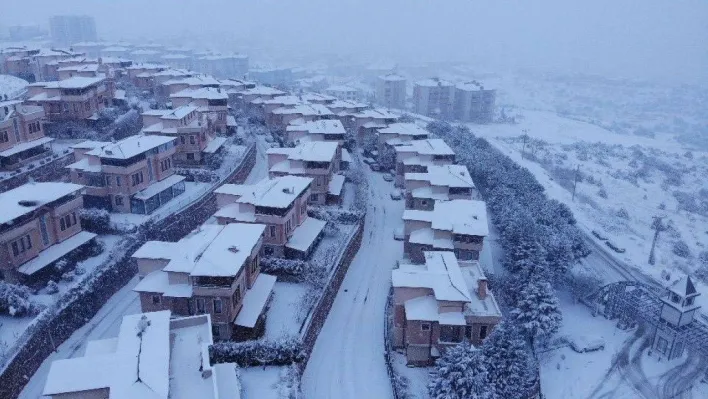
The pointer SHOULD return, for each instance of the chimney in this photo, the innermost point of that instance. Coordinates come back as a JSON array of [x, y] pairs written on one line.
[[482, 288]]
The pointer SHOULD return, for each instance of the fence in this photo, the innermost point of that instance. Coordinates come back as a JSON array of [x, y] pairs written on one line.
[[56, 325], [389, 347]]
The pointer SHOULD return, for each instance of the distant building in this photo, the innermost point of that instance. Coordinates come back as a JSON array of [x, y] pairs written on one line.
[[434, 98], [39, 224], [20, 33], [473, 103], [153, 356], [345, 93], [223, 65], [272, 76], [66, 30], [210, 102], [22, 137], [367, 122], [391, 91]]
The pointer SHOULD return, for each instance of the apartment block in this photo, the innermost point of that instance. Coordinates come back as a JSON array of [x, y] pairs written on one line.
[[439, 183], [473, 103], [22, 137], [66, 30], [74, 99], [223, 65], [133, 175], [141, 74], [213, 270], [345, 93], [391, 91], [456, 225], [434, 98], [39, 225], [319, 160], [439, 304], [415, 156], [273, 76], [193, 130], [155, 355], [279, 203]]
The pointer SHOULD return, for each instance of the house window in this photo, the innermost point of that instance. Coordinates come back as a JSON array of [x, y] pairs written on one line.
[[43, 229], [689, 301], [254, 265], [67, 221], [3, 137], [215, 331], [287, 227], [118, 181], [15, 248], [675, 298], [62, 224], [483, 332], [314, 197], [200, 305], [218, 305], [156, 299], [108, 180], [661, 345], [137, 178], [424, 326], [190, 156], [182, 139], [22, 245], [191, 139], [236, 297], [119, 199], [450, 334], [272, 231]]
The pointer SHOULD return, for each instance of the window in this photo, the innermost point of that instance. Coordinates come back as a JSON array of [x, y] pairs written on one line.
[[87, 105], [675, 298], [43, 229], [137, 178], [15, 249], [200, 305], [661, 345], [191, 139], [156, 299], [21, 245], [287, 227], [450, 334], [215, 331], [689, 301], [272, 231], [314, 197], [218, 305], [424, 326], [165, 164], [190, 156], [62, 224], [67, 221], [182, 139], [3, 137], [483, 332], [108, 180], [236, 296], [118, 181], [303, 209], [76, 108], [254, 265], [119, 200]]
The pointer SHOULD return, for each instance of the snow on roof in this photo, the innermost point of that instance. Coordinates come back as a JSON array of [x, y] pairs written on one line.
[[305, 110], [226, 254], [84, 166], [231, 121], [101, 347], [347, 104], [227, 382], [177, 113], [199, 80], [74, 82], [426, 147], [392, 77], [56, 251], [190, 248], [434, 82], [16, 149], [313, 151], [285, 100], [159, 282], [255, 300], [377, 113], [214, 145], [115, 49], [130, 146], [324, 126], [459, 216], [314, 97], [213, 57], [206, 93], [441, 273], [346, 156], [157, 250], [426, 236], [264, 91], [684, 287], [279, 192], [145, 52], [341, 89], [423, 308], [304, 236], [31, 196], [80, 68], [175, 57], [336, 184], [470, 86], [158, 187], [444, 175], [89, 145], [472, 273], [404, 129]]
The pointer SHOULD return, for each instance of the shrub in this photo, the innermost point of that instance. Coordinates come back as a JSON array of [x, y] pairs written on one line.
[[62, 265], [68, 276], [622, 214], [282, 267], [703, 258], [52, 287], [334, 215], [15, 300], [681, 249], [602, 193], [258, 353], [96, 220]]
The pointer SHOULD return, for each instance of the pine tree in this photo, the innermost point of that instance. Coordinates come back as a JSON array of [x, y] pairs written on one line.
[[537, 312], [460, 374], [511, 369]]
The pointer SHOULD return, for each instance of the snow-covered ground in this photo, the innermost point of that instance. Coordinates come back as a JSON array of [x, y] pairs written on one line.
[[347, 360], [12, 86], [268, 383], [285, 315]]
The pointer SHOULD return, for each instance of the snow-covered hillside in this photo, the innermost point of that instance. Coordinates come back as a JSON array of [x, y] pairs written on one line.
[[11, 86]]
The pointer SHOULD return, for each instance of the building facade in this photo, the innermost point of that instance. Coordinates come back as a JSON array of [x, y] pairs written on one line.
[[74, 99], [434, 98], [391, 91], [473, 103], [66, 30], [22, 137]]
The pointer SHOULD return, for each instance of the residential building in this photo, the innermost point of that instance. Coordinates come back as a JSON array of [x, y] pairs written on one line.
[[180, 61], [244, 99], [91, 49], [22, 137], [415, 156], [318, 98], [210, 102], [116, 51], [194, 81], [281, 204], [76, 99], [213, 270], [367, 122], [66, 30], [223, 65], [15, 61], [133, 175], [345, 93], [456, 225], [434, 98], [281, 117], [473, 103], [271, 76], [41, 62], [39, 224], [439, 183], [345, 112], [141, 74], [20, 33], [391, 91], [329, 130], [154, 355], [194, 131], [439, 304], [319, 160], [399, 133]]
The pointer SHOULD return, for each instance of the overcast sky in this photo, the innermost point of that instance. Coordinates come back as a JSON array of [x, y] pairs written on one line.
[[646, 39]]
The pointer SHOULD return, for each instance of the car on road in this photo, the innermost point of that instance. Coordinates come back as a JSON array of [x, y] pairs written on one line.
[[599, 235], [398, 234], [615, 247], [584, 344], [396, 195], [388, 177]]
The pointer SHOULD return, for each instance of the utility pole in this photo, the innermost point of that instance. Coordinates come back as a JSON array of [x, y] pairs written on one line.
[[575, 180], [525, 136], [658, 225]]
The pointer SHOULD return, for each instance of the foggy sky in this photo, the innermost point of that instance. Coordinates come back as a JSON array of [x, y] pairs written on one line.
[[645, 39]]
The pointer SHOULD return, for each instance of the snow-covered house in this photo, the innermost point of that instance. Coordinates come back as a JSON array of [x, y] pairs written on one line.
[[367, 122], [133, 175], [39, 224], [73, 99], [145, 55], [177, 85], [318, 98], [327, 130], [678, 310], [22, 137], [342, 92], [319, 160], [456, 225], [116, 51], [212, 102], [415, 156], [39, 62], [439, 183], [154, 356], [175, 60], [279, 203], [196, 138], [245, 98], [281, 117], [399, 133], [213, 270], [434, 98], [141, 74], [439, 304]]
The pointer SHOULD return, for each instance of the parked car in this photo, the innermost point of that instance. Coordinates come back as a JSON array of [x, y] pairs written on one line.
[[398, 234], [369, 161], [614, 247], [584, 344], [375, 167], [599, 235], [388, 177], [396, 195]]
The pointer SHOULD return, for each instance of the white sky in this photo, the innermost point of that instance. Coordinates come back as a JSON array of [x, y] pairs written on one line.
[[646, 39]]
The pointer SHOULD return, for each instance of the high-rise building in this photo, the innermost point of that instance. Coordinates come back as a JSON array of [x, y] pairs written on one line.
[[69, 29], [474, 103], [391, 91], [434, 98]]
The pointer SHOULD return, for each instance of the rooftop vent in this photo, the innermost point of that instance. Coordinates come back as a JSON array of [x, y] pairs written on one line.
[[28, 203], [288, 190], [109, 152]]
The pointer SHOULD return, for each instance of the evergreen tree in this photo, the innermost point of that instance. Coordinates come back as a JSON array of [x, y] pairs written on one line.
[[460, 374], [511, 370], [537, 312]]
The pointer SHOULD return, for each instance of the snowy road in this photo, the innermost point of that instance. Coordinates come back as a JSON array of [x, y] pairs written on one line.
[[348, 358]]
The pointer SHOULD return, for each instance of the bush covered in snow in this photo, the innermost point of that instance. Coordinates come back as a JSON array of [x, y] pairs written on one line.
[[334, 215], [258, 353], [95, 220], [681, 249], [15, 300], [52, 287], [282, 267]]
